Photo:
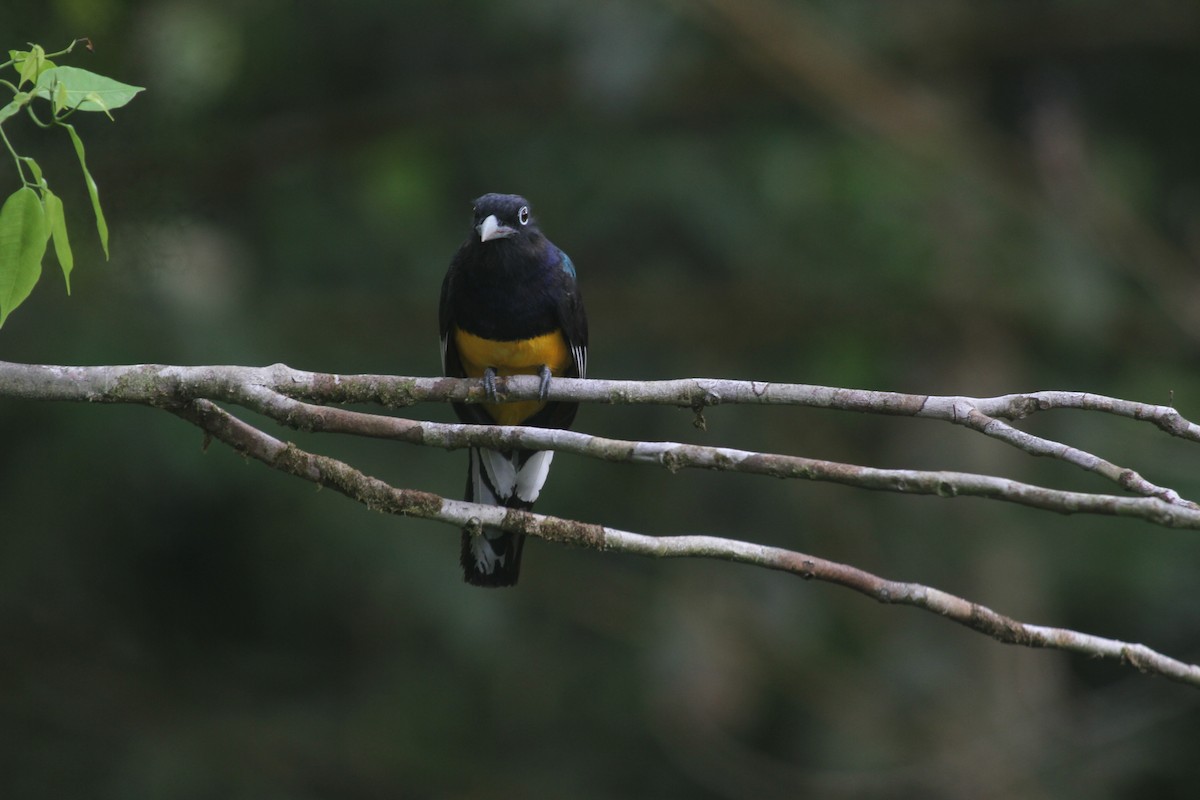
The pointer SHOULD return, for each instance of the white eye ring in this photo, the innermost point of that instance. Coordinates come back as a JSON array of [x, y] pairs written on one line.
[[523, 215]]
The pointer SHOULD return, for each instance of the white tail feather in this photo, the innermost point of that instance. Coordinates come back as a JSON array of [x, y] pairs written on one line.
[[481, 492], [486, 559], [501, 471], [532, 476], [495, 477]]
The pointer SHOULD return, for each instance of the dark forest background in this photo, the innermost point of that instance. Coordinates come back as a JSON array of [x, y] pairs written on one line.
[[932, 197]]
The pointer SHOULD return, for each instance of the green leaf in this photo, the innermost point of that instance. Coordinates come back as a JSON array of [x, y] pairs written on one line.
[[22, 244], [29, 64], [60, 99], [93, 191], [28, 67], [35, 169], [86, 91], [56, 221], [91, 97], [12, 108], [14, 105]]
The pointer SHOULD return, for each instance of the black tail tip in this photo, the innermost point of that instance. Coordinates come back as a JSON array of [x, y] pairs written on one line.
[[505, 559], [494, 580]]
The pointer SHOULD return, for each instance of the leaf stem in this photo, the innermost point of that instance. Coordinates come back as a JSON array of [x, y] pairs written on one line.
[[36, 119], [16, 158], [67, 49]]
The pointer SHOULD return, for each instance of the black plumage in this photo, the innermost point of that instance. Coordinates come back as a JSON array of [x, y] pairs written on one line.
[[510, 304]]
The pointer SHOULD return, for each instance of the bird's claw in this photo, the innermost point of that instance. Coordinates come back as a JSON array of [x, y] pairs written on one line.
[[544, 386], [489, 385]]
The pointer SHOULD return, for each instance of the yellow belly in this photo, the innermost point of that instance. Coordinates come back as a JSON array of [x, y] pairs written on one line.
[[518, 357]]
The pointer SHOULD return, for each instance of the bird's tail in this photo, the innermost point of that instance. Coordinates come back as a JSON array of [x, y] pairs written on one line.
[[510, 479]]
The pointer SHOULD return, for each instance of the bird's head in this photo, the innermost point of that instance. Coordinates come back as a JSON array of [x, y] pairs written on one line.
[[503, 216]]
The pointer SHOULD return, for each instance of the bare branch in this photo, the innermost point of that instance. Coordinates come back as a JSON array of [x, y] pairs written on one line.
[[264, 389], [675, 456], [286, 396], [147, 383], [378, 495]]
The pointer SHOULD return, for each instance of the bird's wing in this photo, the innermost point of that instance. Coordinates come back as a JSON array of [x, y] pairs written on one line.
[[572, 318], [451, 365]]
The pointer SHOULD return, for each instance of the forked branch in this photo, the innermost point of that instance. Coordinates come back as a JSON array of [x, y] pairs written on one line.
[[294, 398]]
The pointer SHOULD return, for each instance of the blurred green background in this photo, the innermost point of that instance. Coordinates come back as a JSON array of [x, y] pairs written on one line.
[[934, 197]]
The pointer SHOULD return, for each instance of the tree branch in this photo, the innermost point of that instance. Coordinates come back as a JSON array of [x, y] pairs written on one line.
[[288, 396], [674, 456], [266, 389], [377, 495]]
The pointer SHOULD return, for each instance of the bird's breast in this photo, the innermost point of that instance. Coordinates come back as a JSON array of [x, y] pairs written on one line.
[[513, 357]]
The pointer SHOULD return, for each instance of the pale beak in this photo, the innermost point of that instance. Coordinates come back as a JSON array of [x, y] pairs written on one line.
[[491, 228]]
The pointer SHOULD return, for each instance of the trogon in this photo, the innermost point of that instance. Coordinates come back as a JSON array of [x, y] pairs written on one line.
[[510, 305]]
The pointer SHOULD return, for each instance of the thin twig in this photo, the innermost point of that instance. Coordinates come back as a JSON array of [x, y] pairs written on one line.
[[160, 384], [280, 393], [378, 495], [674, 456]]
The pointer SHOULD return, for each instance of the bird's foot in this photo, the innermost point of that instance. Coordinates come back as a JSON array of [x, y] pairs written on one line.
[[544, 386], [489, 385]]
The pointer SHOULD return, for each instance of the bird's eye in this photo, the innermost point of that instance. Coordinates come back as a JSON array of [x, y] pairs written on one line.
[[523, 215]]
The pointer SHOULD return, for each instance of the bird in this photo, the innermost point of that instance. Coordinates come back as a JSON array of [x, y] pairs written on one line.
[[510, 305]]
